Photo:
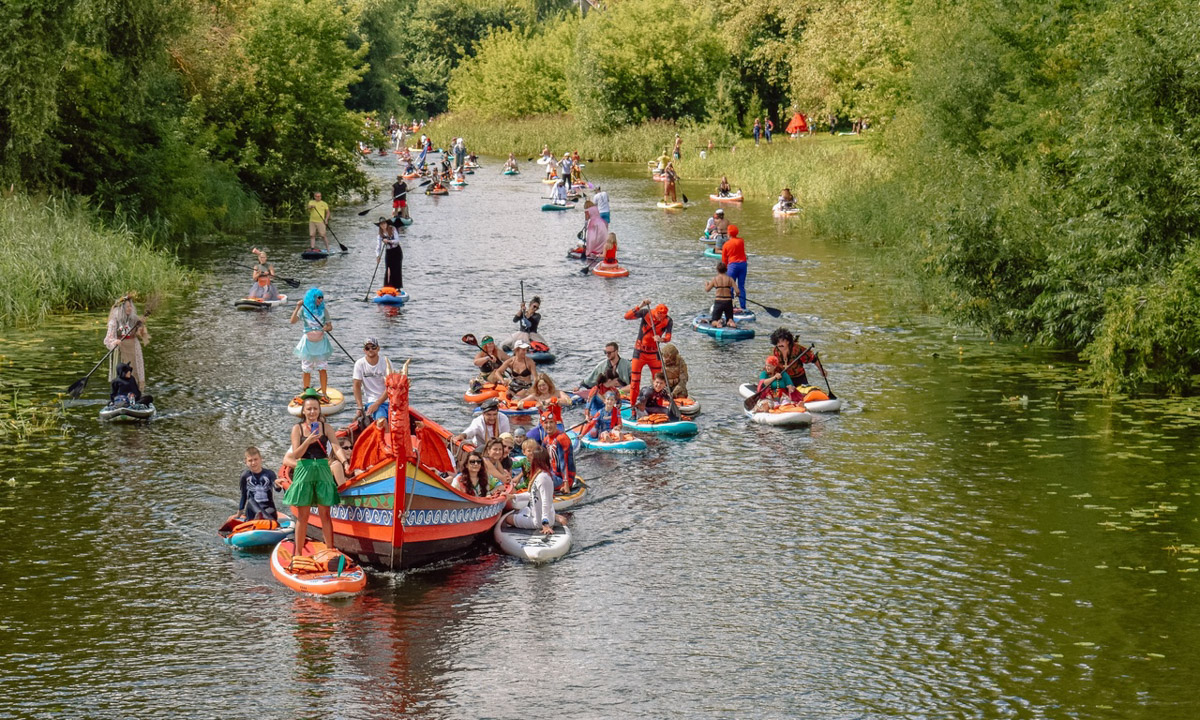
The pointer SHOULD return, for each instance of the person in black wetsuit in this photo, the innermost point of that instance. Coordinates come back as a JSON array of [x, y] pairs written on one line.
[[256, 484], [527, 319]]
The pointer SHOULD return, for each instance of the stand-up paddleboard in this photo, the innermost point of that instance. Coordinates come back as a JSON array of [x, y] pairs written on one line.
[[815, 399], [332, 405], [702, 324], [128, 413], [390, 298], [670, 205], [249, 303], [250, 534], [331, 582], [531, 545], [783, 416], [658, 424]]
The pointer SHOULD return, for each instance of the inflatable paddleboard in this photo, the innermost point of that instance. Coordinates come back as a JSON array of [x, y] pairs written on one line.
[[458, 183], [628, 444], [127, 413], [701, 323], [670, 205], [248, 535], [611, 270], [780, 212], [336, 401], [815, 399], [405, 221], [438, 191], [783, 416], [531, 545], [250, 303], [510, 171], [315, 254], [398, 298], [543, 160], [739, 315], [555, 207], [732, 197], [647, 423], [711, 253], [351, 580]]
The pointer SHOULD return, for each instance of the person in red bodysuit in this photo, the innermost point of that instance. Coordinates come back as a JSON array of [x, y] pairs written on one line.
[[655, 327]]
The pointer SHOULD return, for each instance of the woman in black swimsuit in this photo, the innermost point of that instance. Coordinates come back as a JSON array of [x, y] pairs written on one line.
[[521, 370]]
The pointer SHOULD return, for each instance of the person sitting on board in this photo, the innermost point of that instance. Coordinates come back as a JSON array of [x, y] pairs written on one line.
[[558, 194], [511, 162], [539, 513], [489, 359], [654, 400], [711, 226], [605, 421], [786, 200], [663, 161], [654, 326], [460, 178], [517, 373], [675, 369], [792, 356], [527, 319], [722, 309], [485, 426], [611, 372], [409, 168], [263, 275], [776, 386], [370, 378], [610, 249], [497, 463], [125, 390], [549, 433], [257, 501], [723, 189], [544, 391], [472, 478]]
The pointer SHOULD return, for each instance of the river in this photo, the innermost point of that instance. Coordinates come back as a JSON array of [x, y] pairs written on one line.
[[973, 536]]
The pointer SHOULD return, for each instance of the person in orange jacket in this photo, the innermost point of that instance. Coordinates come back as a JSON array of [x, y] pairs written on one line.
[[655, 327]]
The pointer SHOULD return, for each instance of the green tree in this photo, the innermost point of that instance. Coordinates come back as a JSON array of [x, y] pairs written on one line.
[[517, 72]]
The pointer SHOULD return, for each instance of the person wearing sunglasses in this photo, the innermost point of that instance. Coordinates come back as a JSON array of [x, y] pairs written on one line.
[[472, 478]]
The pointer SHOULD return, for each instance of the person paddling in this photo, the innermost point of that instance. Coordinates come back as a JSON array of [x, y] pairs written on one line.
[[314, 348], [318, 221], [400, 197], [264, 276], [654, 327], [127, 333], [388, 248]]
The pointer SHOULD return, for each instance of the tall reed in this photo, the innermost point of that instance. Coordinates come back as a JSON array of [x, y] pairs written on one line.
[[57, 255]]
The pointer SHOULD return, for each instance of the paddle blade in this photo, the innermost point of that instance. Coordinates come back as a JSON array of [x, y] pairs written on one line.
[[77, 387], [291, 282], [685, 200], [773, 312], [751, 401], [364, 212], [470, 340]]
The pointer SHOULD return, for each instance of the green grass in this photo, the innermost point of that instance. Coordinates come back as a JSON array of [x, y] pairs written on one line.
[[59, 256], [816, 168], [20, 421]]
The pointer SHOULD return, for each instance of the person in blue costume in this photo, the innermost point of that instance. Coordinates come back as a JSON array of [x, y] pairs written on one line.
[[314, 348]]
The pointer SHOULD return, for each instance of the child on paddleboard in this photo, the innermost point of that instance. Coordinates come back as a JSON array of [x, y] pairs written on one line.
[[777, 383], [256, 486]]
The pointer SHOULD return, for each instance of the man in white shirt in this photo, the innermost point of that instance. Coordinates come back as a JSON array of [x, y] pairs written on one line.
[[370, 379], [487, 425], [601, 200]]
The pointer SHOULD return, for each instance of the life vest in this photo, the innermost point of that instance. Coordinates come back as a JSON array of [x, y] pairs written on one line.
[[539, 346], [323, 561], [653, 419], [265, 524], [815, 396], [387, 290]]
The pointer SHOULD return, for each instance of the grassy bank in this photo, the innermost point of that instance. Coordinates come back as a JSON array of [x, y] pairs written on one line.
[[59, 256], [816, 168]]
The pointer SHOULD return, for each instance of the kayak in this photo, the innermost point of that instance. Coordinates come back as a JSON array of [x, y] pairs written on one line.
[[740, 315], [670, 205], [392, 298], [815, 399], [556, 207], [652, 424], [127, 413], [510, 171], [258, 303], [710, 252], [701, 323], [628, 444], [531, 545], [437, 191], [782, 416], [325, 582], [315, 254], [780, 212], [610, 270], [732, 197], [248, 534], [336, 401]]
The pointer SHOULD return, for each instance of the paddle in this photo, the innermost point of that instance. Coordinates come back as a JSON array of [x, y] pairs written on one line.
[[591, 265], [817, 361], [773, 312], [394, 197], [330, 334], [292, 282], [367, 296], [336, 240], [470, 340], [78, 386], [751, 401], [684, 196]]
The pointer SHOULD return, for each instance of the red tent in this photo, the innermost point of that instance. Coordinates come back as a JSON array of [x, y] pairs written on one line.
[[798, 124]]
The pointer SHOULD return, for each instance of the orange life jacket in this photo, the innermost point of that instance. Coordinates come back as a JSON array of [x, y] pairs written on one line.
[[265, 524]]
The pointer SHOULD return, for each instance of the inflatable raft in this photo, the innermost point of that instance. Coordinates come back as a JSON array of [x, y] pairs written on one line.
[[701, 323], [325, 579], [390, 296], [531, 545], [250, 303], [127, 413], [332, 405], [659, 424], [250, 534], [611, 270], [815, 399], [783, 416], [732, 197]]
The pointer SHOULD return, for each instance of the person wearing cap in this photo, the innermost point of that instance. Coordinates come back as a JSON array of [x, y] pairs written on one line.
[[489, 359], [733, 254], [613, 372], [654, 327], [601, 200], [564, 168], [388, 248], [549, 434], [370, 380], [400, 197], [717, 228], [318, 221], [485, 426]]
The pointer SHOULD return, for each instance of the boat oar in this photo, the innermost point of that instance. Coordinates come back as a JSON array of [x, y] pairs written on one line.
[[330, 334], [773, 312], [292, 282], [817, 362], [751, 401], [78, 386]]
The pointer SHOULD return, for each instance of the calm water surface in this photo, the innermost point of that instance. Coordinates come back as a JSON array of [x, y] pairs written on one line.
[[973, 536]]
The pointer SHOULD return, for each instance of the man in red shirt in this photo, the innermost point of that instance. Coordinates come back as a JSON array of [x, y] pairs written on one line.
[[733, 254], [655, 327]]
